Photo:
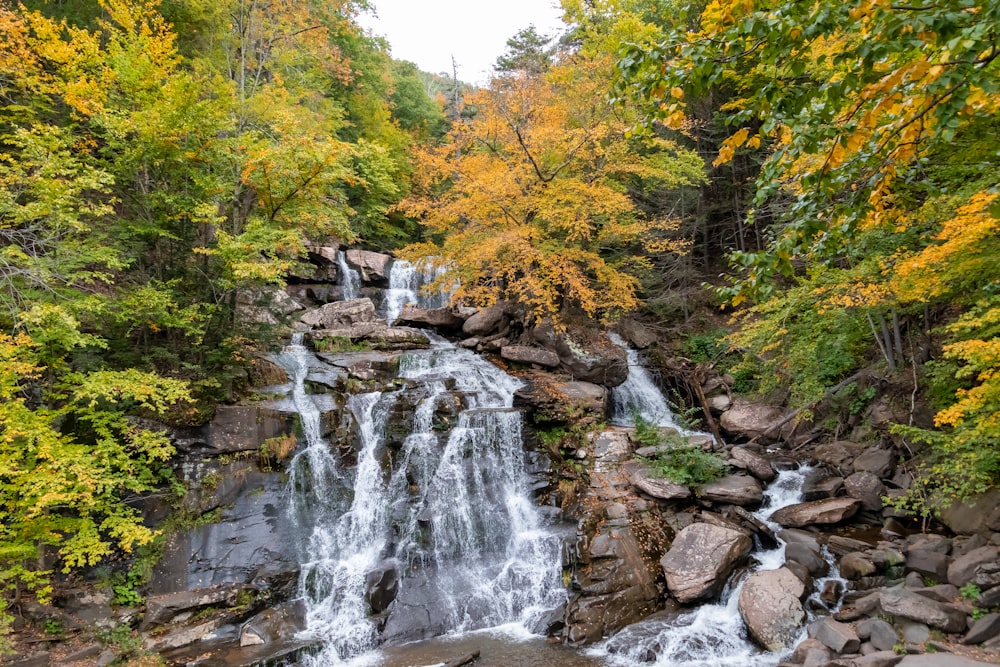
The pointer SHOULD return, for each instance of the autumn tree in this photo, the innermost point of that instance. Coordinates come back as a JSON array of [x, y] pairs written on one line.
[[879, 125], [532, 199]]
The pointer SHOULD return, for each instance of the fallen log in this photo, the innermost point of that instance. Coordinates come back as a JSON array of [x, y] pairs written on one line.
[[467, 659]]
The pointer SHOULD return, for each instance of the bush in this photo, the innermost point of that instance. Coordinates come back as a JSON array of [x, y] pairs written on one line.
[[688, 465]]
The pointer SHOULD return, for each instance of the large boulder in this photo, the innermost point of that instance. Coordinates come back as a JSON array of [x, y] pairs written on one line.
[[822, 512], [770, 605], [701, 559], [235, 428], [867, 488], [341, 314], [839, 637], [524, 354], [740, 490], [749, 419], [373, 266], [909, 605], [443, 319], [643, 478], [754, 463], [486, 321], [976, 515], [978, 567], [585, 352], [265, 305]]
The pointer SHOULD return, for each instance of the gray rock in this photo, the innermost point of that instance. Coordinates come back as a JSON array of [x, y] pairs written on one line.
[[381, 587], [940, 592], [856, 565], [274, 625], [265, 305], [770, 605], [985, 629], [701, 558], [235, 428], [940, 660], [373, 266], [639, 335], [907, 604], [915, 633], [719, 403], [829, 511], [839, 637], [181, 636], [975, 567], [808, 556], [879, 462], [37, 659], [161, 609], [754, 463], [821, 487], [643, 478], [341, 314], [585, 353], [880, 659], [867, 488], [838, 455], [396, 338], [926, 563], [881, 635], [978, 515], [749, 419], [443, 319], [485, 321], [524, 354], [740, 490]]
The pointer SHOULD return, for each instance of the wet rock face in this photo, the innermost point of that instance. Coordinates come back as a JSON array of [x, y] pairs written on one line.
[[585, 353], [251, 545], [701, 559], [770, 605]]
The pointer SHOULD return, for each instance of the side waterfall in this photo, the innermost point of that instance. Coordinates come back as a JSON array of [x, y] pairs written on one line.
[[445, 520], [406, 283], [350, 280]]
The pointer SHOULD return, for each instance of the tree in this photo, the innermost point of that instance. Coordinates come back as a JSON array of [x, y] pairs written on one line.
[[530, 199], [880, 126], [527, 53]]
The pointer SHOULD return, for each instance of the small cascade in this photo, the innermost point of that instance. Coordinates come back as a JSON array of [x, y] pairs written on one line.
[[638, 395], [350, 280], [712, 635], [446, 513], [406, 283]]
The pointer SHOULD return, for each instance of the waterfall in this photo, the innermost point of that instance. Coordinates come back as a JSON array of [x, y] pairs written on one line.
[[713, 635], [638, 395], [406, 283], [350, 280], [446, 512]]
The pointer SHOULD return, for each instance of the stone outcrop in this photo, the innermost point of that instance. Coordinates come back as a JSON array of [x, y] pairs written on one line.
[[373, 266], [817, 512], [735, 489], [643, 478], [750, 419], [906, 604], [441, 319], [585, 353], [535, 356], [341, 314], [770, 605], [701, 559]]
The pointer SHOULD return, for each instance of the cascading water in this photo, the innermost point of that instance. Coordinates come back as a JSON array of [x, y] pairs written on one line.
[[406, 283], [350, 280], [638, 395], [447, 513], [712, 635]]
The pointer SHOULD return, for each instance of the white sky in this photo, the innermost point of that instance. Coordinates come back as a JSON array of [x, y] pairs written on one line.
[[429, 32]]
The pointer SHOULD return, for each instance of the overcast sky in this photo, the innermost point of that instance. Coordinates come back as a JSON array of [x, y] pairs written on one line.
[[429, 32]]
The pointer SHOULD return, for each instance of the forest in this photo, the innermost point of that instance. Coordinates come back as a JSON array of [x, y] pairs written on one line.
[[805, 190]]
